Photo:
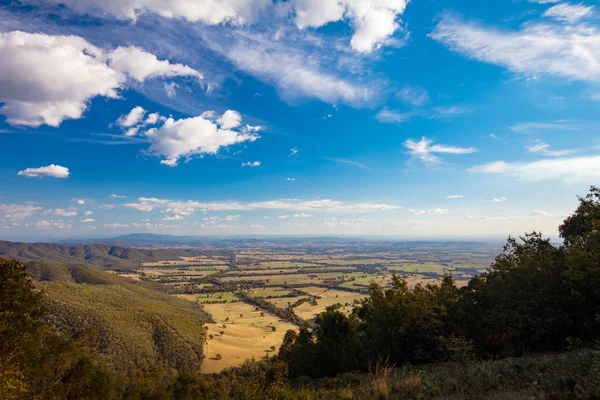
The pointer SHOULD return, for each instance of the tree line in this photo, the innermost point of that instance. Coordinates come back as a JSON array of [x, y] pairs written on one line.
[[535, 297]]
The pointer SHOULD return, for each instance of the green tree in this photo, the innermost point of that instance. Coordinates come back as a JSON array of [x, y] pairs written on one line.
[[581, 234]]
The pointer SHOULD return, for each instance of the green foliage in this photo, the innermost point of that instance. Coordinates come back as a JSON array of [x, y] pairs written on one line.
[[535, 297], [127, 323], [36, 361]]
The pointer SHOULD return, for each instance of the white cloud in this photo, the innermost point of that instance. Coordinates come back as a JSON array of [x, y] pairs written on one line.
[[117, 196], [81, 201], [348, 162], [295, 72], [251, 164], [88, 220], [544, 149], [391, 116], [44, 224], [533, 127], [71, 212], [170, 89], [434, 211], [132, 118], [499, 200], [290, 179], [52, 170], [450, 111], [189, 207], [413, 95], [373, 21], [569, 51], [303, 215], [116, 226], [569, 12], [153, 118], [293, 152], [230, 119], [136, 63], [257, 226], [210, 12], [283, 217], [88, 213], [573, 169], [17, 212], [424, 151], [545, 214], [173, 218], [34, 95], [455, 196], [196, 136]]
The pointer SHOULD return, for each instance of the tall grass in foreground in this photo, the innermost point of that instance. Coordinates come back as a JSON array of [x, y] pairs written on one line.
[[381, 373]]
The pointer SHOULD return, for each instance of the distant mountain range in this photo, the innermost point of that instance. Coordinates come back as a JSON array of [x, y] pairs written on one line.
[[105, 256]]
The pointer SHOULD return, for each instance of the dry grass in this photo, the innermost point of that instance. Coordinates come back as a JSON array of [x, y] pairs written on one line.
[[380, 375], [247, 336], [328, 298]]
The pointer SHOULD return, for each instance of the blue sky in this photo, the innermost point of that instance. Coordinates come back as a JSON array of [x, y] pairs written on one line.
[[252, 117]]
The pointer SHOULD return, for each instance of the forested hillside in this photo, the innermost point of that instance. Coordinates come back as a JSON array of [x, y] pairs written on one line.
[[126, 323], [105, 256]]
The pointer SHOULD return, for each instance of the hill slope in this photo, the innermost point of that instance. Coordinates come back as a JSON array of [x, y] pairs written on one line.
[[128, 323], [105, 256]]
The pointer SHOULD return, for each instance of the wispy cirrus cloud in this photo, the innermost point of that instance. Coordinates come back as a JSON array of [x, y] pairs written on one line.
[[570, 51], [430, 212], [391, 116], [426, 151], [535, 127], [413, 95], [348, 161], [542, 148], [17, 212], [571, 169], [189, 207], [569, 12]]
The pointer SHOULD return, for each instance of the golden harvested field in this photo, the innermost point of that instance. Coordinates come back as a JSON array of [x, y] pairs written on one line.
[[328, 298], [419, 267], [135, 277], [270, 291], [289, 279], [244, 337], [262, 271], [282, 302], [183, 263]]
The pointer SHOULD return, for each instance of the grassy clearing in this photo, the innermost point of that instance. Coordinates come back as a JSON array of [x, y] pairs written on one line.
[[217, 296], [246, 336]]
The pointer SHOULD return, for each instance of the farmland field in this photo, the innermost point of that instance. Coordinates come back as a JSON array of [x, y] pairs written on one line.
[[245, 334], [258, 293]]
